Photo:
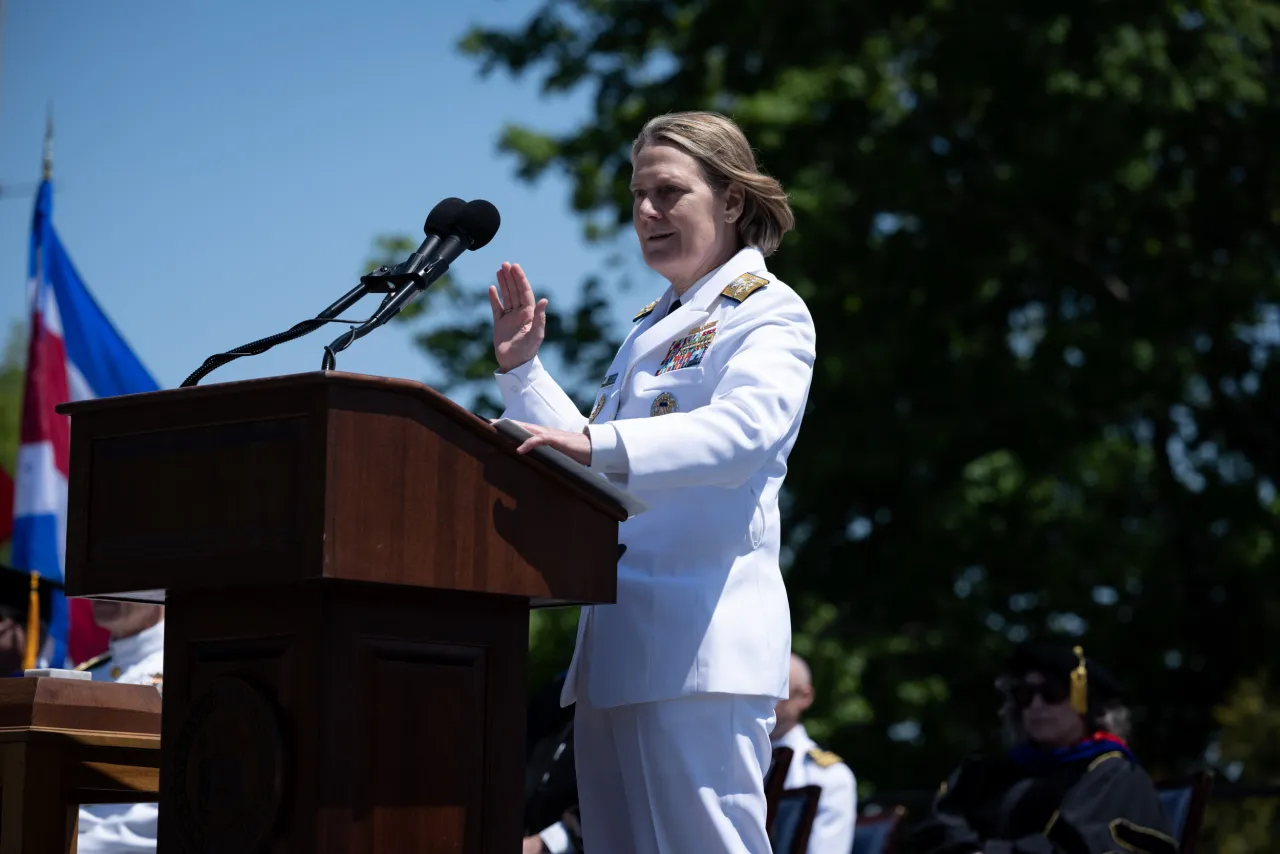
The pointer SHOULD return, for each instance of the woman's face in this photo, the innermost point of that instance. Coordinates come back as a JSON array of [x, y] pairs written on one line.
[[1047, 715], [685, 229]]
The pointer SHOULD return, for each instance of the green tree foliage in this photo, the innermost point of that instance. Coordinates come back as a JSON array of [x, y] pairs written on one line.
[[12, 366], [1039, 242], [1250, 720]]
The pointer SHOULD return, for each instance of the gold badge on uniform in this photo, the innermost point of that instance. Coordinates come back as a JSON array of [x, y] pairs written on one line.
[[115, 672], [595, 411], [664, 404]]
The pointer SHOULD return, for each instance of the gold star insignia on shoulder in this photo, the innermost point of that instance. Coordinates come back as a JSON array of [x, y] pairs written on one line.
[[824, 758], [94, 662], [646, 311], [744, 286]]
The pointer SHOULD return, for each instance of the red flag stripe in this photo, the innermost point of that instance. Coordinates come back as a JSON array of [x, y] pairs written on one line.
[[6, 506], [47, 387]]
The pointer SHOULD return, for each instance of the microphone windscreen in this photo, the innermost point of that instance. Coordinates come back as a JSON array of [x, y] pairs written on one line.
[[444, 216], [479, 221]]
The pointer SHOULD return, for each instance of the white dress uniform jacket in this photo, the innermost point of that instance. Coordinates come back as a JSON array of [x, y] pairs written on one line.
[[118, 828], [695, 417], [833, 827]]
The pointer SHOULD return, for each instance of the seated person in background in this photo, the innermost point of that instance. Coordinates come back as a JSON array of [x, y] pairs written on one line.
[[1070, 784], [135, 656], [550, 780], [832, 831], [15, 609]]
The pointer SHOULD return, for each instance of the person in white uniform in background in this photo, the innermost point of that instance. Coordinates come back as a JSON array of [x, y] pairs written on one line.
[[833, 826], [135, 656], [676, 683]]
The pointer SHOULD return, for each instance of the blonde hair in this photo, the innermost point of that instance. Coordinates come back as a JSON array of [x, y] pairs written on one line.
[[726, 158]]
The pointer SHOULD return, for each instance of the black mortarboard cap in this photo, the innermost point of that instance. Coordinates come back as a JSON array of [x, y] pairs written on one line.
[[15, 593], [1061, 661]]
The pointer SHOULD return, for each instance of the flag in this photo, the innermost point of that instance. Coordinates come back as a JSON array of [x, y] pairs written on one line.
[[74, 353], [6, 507]]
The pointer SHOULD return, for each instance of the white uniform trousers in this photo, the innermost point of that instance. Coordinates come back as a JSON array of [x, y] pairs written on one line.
[[682, 776]]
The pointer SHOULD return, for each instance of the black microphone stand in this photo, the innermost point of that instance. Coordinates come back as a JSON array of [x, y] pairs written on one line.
[[262, 345], [391, 306]]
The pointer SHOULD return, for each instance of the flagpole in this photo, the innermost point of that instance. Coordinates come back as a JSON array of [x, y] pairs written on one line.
[[1, 47], [46, 170]]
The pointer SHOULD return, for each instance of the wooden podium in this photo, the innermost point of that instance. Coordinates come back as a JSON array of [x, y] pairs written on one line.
[[347, 564], [66, 742]]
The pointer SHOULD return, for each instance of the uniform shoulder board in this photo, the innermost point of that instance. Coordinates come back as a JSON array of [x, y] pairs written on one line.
[[744, 286], [94, 662], [646, 311], [824, 758]]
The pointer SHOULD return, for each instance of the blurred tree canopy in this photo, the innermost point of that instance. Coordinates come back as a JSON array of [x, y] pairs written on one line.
[[13, 359], [1039, 242]]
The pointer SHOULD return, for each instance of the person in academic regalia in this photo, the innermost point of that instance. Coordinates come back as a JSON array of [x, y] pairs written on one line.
[[1069, 785], [19, 646]]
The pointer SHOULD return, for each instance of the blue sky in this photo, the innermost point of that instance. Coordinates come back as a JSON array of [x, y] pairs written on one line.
[[221, 169]]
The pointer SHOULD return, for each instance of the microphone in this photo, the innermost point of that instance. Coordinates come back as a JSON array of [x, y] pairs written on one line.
[[439, 223], [475, 226]]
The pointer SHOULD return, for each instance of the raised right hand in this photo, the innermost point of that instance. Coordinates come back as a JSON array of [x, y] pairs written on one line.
[[519, 323]]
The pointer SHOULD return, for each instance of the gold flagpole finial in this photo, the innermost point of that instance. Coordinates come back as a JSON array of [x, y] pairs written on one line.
[[47, 171]]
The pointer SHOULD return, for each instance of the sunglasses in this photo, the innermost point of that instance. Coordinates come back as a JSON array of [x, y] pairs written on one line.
[[1052, 692]]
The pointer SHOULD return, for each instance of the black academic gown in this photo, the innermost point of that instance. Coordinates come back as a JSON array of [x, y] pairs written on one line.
[[1093, 798]]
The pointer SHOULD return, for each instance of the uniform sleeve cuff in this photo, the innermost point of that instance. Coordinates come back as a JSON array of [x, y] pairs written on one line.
[[520, 377], [608, 454], [556, 838]]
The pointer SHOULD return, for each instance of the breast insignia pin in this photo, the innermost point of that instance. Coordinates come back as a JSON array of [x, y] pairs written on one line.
[[664, 404], [595, 412]]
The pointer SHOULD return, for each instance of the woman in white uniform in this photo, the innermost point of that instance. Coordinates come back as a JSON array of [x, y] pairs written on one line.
[[676, 683]]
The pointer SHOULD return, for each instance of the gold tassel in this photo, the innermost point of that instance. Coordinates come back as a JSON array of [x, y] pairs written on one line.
[[1080, 684], [33, 624]]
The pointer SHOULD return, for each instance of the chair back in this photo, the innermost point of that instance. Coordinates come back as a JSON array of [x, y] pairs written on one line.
[[797, 808], [877, 834], [1184, 801], [775, 779]]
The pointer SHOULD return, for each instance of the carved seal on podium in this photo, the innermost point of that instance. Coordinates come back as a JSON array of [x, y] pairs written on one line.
[[229, 765]]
